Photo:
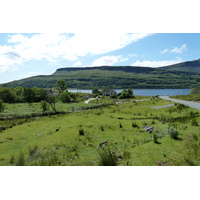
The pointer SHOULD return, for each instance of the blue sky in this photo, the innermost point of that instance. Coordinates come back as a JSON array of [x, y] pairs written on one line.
[[25, 55]]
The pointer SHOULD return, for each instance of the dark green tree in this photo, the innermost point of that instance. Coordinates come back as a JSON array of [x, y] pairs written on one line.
[[126, 94], [95, 91], [39, 94], [7, 95], [44, 106], [61, 85], [195, 91], [29, 95], [1, 106], [65, 97]]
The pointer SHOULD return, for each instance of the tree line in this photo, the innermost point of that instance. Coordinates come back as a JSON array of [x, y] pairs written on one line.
[[32, 95]]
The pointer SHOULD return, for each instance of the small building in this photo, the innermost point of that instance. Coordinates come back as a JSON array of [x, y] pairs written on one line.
[[109, 93]]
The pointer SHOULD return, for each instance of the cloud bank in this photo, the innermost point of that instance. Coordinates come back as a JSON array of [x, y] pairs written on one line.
[[109, 60], [148, 63], [176, 50], [53, 47]]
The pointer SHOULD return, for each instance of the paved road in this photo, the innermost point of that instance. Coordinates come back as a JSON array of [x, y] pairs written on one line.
[[187, 103]]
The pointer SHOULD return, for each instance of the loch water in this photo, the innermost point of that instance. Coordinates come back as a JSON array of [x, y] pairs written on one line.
[[146, 92]]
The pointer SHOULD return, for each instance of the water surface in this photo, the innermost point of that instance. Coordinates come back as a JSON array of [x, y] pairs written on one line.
[[147, 92]]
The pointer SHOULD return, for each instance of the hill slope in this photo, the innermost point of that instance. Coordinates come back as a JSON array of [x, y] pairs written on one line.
[[182, 75]]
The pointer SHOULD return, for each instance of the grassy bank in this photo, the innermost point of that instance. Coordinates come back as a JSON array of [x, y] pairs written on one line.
[[74, 138]]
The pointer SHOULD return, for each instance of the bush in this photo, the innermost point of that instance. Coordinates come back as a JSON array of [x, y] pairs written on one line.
[[173, 133], [107, 158], [135, 125], [155, 138], [1, 106], [21, 160], [194, 122], [44, 106], [65, 97], [81, 132], [101, 128]]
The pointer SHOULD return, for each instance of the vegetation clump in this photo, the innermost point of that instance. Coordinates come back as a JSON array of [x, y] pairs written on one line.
[[81, 132], [173, 133], [107, 157]]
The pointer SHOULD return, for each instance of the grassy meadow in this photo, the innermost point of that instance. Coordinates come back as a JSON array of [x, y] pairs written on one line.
[[73, 138]]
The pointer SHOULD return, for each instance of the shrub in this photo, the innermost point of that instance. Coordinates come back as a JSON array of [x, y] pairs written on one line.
[[126, 154], [12, 159], [101, 128], [1, 106], [44, 106], [33, 151], [21, 160], [173, 133], [65, 97], [195, 136], [135, 125], [155, 138], [107, 158], [194, 122], [81, 132]]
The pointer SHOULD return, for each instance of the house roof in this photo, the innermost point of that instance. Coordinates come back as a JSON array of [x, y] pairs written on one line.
[[110, 91]]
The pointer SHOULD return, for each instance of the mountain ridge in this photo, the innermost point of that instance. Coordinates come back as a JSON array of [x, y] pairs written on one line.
[[180, 75]]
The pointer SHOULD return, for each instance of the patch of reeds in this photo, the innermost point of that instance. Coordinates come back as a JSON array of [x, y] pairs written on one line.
[[107, 158]]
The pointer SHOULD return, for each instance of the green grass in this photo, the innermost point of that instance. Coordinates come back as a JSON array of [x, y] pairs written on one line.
[[189, 97], [36, 141]]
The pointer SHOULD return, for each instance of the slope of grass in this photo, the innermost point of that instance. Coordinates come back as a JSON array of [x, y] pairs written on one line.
[[38, 143]]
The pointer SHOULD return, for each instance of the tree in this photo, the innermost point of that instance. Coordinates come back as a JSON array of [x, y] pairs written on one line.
[[126, 94], [65, 97], [1, 106], [19, 91], [7, 95], [195, 91], [61, 85], [44, 106], [51, 100], [95, 91], [29, 95], [130, 92], [39, 94]]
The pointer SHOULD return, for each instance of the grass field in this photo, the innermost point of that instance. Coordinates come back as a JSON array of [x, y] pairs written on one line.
[[73, 139]]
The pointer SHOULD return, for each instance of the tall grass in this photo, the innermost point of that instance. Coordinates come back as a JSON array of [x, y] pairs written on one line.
[[106, 157]]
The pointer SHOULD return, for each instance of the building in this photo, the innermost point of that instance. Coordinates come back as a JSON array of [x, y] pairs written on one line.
[[109, 93]]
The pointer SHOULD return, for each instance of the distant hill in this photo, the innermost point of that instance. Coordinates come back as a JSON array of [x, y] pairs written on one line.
[[181, 75], [188, 66], [131, 69]]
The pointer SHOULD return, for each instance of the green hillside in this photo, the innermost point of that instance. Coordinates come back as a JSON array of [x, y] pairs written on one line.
[[182, 75]]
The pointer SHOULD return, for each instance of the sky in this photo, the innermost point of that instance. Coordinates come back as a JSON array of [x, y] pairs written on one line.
[[29, 54]]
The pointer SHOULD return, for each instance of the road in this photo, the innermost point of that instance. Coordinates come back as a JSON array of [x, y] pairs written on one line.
[[187, 103], [86, 102]]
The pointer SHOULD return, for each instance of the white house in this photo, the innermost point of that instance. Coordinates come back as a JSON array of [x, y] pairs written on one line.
[[109, 92]]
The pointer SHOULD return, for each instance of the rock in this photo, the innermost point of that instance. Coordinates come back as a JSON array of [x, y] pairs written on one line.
[[148, 129], [103, 144]]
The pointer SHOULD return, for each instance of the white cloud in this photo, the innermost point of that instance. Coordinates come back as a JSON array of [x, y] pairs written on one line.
[[55, 46], [108, 60], [148, 63], [181, 49], [164, 51], [78, 63]]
